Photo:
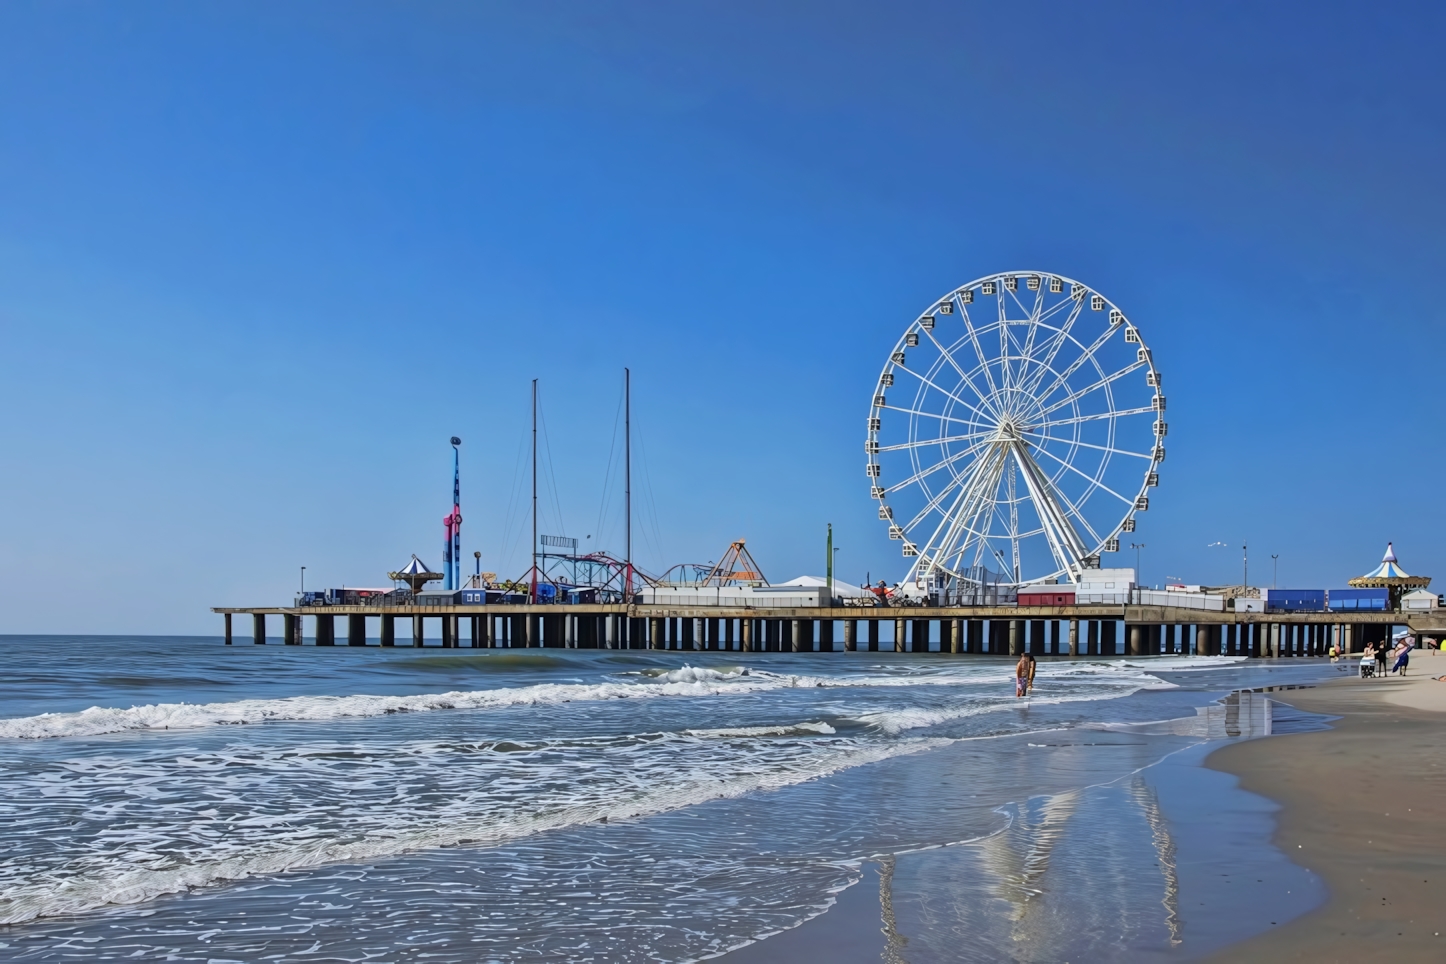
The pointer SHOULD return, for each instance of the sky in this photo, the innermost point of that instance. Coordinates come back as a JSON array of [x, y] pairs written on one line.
[[259, 261]]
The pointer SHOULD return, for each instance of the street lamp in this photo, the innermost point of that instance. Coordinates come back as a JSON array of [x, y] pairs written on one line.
[[1275, 569], [1137, 546], [303, 580]]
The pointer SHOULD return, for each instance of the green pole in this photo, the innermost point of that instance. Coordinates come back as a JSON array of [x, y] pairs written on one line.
[[830, 563]]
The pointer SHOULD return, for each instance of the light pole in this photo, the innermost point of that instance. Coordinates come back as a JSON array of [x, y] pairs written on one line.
[[303, 580], [1245, 562], [1137, 546], [1275, 569]]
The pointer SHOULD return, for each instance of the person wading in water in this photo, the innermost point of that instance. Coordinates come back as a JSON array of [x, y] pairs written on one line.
[[1024, 675]]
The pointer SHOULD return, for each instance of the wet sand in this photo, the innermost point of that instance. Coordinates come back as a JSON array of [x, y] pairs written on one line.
[[1363, 806]]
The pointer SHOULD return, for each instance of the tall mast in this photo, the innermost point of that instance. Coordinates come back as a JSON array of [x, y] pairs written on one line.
[[534, 490], [628, 480], [455, 577]]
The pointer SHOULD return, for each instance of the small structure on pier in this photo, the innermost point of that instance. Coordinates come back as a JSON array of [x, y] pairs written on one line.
[[415, 574], [736, 568], [1390, 576]]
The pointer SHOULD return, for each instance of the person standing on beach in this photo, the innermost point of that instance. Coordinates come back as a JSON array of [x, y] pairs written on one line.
[[1403, 658], [1382, 655]]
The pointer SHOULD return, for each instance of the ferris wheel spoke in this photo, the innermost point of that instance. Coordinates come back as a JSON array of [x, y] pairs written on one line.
[[1077, 419], [1096, 386], [927, 442], [966, 519], [942, 391], [939, 415], [1099, 448], [978, 349], [1085, 356], [1094, 482], [946, 519], [1034, 319], [1058, 340], [919, 476], [955, 365], [1060, 502], [1055, 526], [1006, 376]]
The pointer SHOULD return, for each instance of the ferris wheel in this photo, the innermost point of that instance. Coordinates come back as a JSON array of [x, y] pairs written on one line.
[[1015, 431]]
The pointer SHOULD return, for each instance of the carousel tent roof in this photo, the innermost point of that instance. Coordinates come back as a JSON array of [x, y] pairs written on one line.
[[1389, 573], [414, 568]]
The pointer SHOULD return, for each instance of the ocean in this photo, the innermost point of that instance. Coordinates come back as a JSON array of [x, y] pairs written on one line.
[[176, 799]]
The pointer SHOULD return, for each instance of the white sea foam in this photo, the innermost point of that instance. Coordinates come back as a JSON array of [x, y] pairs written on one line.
[[170, 716], [340, 803], [685, 681]]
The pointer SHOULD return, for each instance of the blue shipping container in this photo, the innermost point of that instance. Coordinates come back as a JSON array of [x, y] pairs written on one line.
[[1294, 600], [1355, 600]]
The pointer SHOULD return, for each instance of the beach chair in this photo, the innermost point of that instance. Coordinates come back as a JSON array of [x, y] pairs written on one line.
[[1368, 667]]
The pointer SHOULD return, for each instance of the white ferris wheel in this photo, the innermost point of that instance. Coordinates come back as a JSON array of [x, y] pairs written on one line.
[[1016, 429]]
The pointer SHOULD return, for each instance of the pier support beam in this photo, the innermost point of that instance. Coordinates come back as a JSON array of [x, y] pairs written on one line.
[[1074, 637], [326, 630], [655, 633], [796, 636], [226, 618], [871, 630], [920, 642], [900, 629], [976, 636], [356, 630], [956, 641], [851, 630], [389, 630], [417, 631], [745, 634], [1016, 645], [289, 635], [258, 628]]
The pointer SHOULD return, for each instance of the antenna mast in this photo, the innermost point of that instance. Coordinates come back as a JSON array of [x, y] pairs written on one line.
[[534, 491], [628, 481]]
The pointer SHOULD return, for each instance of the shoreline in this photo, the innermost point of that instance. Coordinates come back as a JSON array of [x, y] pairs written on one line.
[[1362, 805]]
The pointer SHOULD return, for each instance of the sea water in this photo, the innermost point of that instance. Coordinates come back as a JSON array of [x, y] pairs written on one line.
[[173, 798]]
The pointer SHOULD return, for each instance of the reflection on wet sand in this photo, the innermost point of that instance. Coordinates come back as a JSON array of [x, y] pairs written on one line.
[[1088, 874], [1149, 803]]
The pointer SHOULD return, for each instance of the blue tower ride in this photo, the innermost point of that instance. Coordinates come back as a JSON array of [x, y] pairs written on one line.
[[452, 524]]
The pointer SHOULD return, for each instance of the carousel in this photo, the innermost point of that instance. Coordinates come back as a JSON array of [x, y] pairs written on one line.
[[415, 574], [1389, 575]]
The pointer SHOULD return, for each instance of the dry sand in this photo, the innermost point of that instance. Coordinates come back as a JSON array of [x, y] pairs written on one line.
[[1363, 806]]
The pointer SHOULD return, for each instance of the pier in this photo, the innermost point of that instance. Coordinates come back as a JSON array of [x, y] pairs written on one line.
[[1078, 631]]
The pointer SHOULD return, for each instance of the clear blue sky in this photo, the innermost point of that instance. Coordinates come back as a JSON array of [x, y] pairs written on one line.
[[259, 261]]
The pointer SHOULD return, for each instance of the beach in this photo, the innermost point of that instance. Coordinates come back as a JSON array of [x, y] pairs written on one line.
[[1363, 805]]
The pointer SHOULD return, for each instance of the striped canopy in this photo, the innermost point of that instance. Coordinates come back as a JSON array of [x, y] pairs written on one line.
[[415, 574], [414, 568], [1390, 574]]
